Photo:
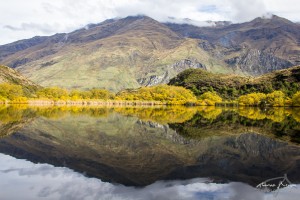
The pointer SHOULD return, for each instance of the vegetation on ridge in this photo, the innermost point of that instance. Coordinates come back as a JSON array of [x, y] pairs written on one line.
[[231, 87]]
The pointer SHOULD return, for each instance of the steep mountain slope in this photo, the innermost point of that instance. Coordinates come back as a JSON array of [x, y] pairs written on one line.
[[231, 86], [8, 75], [133, 51], [115, 54], [255, 47]]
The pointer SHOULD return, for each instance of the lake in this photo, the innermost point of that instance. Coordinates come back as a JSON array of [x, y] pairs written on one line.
[[163, 152]]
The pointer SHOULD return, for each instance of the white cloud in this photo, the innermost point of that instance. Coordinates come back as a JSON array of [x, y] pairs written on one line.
[[23, 19], [245, 10]]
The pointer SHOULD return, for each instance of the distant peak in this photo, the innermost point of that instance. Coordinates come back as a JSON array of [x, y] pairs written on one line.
[[138, 17], [270, 18]]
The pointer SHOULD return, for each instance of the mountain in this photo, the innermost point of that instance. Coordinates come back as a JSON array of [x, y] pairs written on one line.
[[115, 54], [8, 75], [232, 86], [256, 47], [137, 50]]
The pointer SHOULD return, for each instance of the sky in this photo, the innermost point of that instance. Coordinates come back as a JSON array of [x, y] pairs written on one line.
[[21, 19]]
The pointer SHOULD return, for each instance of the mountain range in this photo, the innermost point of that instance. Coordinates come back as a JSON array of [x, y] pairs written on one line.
[[138, 51]]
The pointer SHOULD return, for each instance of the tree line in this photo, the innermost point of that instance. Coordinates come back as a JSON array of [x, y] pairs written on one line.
[[165, 94]]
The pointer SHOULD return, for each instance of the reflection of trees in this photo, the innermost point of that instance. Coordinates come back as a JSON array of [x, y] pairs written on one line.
[[209, 112], [13, 118], [56, 112], [296, 114], [162, 115], [251, 113], [193, 121], [13, 113], [276, 114], [275, 122]]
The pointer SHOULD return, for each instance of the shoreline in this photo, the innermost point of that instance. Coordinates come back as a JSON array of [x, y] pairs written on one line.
[[95, 102]]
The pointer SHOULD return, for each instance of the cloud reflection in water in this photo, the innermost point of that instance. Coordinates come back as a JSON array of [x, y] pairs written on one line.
[[20, 179]]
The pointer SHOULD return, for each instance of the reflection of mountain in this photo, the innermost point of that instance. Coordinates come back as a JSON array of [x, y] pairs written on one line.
[[250, 158], [126, 150], [116, 148], [280, 123]]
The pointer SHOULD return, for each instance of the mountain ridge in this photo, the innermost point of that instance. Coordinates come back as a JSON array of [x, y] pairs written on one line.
[[139, 51], [259, 46]]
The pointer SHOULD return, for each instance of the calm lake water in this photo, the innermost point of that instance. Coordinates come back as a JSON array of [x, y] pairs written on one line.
[[149, 153]]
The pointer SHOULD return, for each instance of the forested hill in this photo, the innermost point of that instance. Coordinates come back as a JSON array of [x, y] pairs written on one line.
[[232, 86]]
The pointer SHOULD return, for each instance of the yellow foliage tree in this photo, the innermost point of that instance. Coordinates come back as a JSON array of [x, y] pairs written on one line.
[[53, 93], [164, 93], [101, 94], [210, 98], [253, 99], [276, 98], [296, 99], [11, 91]]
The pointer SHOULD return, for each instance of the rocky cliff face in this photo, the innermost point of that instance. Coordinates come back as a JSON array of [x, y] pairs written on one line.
[[170, 71], [256, 62], [255, 47]]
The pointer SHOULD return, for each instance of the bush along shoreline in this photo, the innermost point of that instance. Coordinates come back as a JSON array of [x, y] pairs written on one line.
[[154, 95]]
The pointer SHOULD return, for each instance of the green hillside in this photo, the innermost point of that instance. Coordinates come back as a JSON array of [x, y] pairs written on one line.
[[233, 86]]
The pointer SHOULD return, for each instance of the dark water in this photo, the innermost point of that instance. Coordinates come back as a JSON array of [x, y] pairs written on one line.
[[149, 153]]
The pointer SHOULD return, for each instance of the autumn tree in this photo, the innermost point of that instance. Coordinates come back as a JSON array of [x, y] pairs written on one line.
[[252, 99], [53, 93], [276, 98], [11, 91], [296, 99], [101, 94], [210, 98], [163, 93]]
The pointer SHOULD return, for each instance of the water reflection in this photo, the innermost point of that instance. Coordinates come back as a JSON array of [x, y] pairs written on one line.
[[49, 182], [160, 114], [138, 146]]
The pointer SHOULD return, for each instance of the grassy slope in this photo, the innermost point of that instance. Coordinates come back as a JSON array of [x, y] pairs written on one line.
[[138, 50], [8, 75]]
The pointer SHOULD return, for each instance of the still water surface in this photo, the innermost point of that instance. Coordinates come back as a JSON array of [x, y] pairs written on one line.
[[148, 152]]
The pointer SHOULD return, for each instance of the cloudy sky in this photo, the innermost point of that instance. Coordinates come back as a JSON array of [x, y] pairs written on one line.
[[24, 19]]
